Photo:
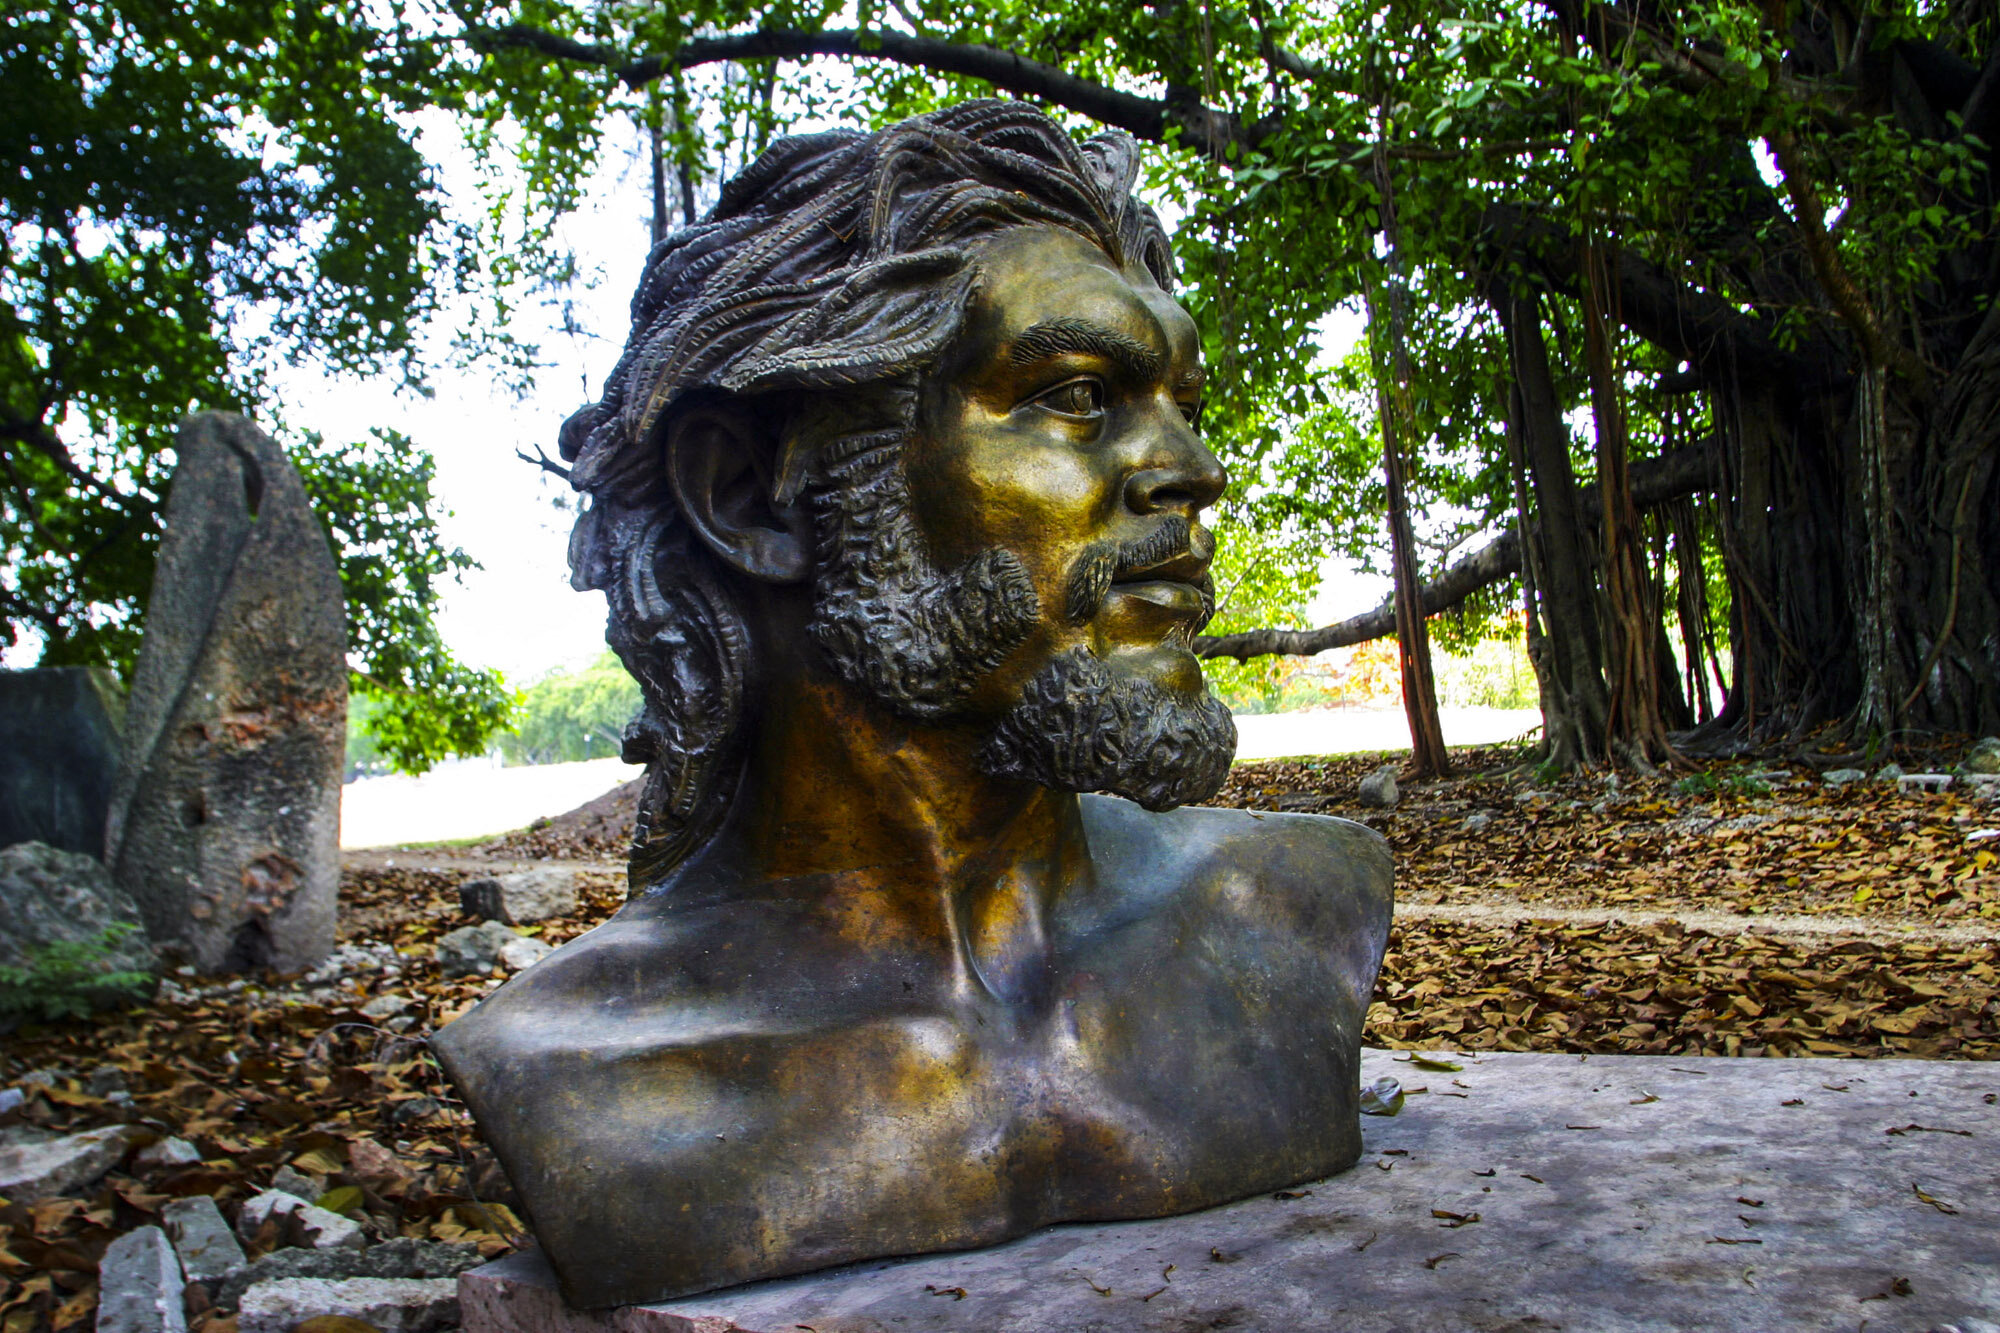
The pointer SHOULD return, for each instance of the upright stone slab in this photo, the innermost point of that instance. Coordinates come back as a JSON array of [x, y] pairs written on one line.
[[225, 825], [59, 742]]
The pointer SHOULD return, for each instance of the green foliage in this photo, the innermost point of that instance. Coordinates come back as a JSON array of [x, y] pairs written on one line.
[[573, 715], [189, 195], [1490, 672], [1264, 575], [70, 979], [375, 498]]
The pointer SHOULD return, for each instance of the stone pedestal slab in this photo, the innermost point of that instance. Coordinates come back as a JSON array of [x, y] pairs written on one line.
[[1610, 1193]]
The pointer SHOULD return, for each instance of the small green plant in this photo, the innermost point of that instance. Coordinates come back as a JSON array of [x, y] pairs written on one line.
[[1745, 784], [1697, 784], [70, 978]]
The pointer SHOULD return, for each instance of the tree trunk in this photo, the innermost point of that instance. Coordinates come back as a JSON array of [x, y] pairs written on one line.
[[1392, 392], [1570, 672]]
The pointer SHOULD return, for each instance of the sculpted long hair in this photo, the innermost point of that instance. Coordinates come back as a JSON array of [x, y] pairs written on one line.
[[835, 262]]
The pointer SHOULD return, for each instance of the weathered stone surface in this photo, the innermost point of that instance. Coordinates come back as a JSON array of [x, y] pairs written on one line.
[[139, 1285], [314, 1228], [59, 1166], [1378, 789], [298, 1183], [393, 1305], [262, 1207], [401, 1257], [1912, 782], [299, 1222], [523, 951], [1840, 777], [1612, 1193], [168, 1152], [59, 740], [50, 896], [201, 1237], [225, 822], [520, 897], [473, 950], [1984, 756]]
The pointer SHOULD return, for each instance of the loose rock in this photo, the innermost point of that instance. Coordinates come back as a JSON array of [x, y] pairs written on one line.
[[521, 896], [167, 1152], [394, 1305], [139, 1285], [50, 897], [1984, 756], [31, 1171], [296, 1182], [523, 952], [201, 1238], [315, 1228], [261, 1208], [473, 950], [401, 1257], [386, 1006], [1476, 822], [1378, 789], [1840, 777]]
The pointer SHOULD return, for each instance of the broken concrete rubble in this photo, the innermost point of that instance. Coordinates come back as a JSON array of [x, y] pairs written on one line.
[[139, 1285], [392, 1305], [35, 1170], [202, 1238]]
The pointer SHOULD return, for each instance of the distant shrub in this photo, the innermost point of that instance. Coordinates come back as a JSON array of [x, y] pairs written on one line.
[[69, 979]]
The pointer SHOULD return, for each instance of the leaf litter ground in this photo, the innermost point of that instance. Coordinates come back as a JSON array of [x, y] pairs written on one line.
[[1846, 921]]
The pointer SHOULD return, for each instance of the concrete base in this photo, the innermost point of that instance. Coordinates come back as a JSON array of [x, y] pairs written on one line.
[[1610, 1192]]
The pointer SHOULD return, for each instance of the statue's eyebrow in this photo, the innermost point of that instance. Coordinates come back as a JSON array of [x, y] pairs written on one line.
[[1055, 337]]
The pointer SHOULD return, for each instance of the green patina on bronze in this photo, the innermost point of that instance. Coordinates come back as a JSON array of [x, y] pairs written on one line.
[[896, 498]]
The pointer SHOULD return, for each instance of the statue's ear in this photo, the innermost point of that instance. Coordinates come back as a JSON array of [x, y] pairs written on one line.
[[720, 460]]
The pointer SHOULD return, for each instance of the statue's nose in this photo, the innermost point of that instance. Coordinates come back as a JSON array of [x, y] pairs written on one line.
[[1181, 476]]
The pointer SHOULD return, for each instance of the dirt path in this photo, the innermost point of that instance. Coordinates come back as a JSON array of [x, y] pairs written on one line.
[[1776, 925]]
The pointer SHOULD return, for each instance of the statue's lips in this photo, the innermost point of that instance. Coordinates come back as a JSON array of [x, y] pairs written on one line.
[[1181, 598]]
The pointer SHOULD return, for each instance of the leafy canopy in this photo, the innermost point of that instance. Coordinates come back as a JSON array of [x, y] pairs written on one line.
[[190, 195]]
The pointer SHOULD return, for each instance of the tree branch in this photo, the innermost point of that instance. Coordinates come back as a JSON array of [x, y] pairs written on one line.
[[1205, 128], [543, 461], [1654, 481], [1856, 311], [1697, 326]]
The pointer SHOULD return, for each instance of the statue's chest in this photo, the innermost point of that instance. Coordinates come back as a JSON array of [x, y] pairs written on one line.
[[1143, 1085]]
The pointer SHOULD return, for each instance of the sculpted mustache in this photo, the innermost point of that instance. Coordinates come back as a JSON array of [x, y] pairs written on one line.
[[1091, 577]]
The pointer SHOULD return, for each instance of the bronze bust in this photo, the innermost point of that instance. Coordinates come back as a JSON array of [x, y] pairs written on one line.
[[895, 496]]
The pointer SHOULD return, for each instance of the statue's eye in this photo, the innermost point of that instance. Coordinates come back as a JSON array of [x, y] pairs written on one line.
[[1077, 398]]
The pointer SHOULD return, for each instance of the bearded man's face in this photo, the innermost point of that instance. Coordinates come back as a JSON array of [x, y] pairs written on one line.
[[1033, 558]]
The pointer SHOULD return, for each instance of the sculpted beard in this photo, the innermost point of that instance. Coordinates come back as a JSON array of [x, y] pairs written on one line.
[[919, 638]]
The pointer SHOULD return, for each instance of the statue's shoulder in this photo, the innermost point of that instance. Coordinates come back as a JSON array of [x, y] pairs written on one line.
[[672, 974], [1195, 834], [1313, 862]]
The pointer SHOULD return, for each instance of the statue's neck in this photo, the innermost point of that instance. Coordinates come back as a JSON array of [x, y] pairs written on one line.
[[896, 819]]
